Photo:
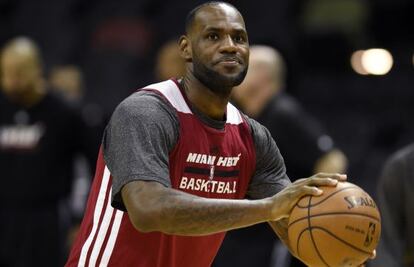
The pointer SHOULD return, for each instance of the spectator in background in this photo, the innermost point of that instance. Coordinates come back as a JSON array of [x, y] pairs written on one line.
[[39, 135], [67, 81], [396, 203], [169, 63], [304, 145]]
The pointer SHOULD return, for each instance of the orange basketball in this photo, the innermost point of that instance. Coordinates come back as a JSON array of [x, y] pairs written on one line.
[[339, 228]]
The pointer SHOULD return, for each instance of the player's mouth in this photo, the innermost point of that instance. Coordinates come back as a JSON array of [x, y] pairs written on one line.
[[229, 61]]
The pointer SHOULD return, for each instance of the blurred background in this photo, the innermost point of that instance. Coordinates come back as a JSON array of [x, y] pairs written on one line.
[[350, 62], [368, 115]]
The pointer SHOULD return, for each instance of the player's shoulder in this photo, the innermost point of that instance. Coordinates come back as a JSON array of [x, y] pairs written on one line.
[[146, 104], [259, 132], [254, 125]]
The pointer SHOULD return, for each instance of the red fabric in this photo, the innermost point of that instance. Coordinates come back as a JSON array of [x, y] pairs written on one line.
[[230, 151]]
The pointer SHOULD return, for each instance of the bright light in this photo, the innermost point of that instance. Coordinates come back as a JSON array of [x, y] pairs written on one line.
[[356, 62], [377, 61]]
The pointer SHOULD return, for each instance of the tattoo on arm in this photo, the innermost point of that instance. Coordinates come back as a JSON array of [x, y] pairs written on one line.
[[153, 207], [188, 214]]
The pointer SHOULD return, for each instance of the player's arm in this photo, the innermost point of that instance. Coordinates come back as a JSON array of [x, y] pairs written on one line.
[[270, 177], [154, 207]]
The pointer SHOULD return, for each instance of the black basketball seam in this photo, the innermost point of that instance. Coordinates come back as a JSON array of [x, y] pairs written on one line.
[[297, 241], [341, 240], [299, 237], [317, 203], [335, 213], [316, 227], [308, 228], [311, 235]]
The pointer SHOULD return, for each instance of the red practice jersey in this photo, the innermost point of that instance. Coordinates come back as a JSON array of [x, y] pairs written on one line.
[[205, 161]]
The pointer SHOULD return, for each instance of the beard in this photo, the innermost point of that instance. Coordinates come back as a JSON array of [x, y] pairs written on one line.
[[215, 81]]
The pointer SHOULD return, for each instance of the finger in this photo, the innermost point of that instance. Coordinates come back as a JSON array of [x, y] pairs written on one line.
[[373, 255], [309, 190], [301, 181], [321, 181], [316, 181], [336, 176]]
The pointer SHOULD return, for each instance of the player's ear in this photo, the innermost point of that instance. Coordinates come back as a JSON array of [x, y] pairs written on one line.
[[185, 48]]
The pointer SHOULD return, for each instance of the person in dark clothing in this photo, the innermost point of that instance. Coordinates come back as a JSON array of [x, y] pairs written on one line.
[[304, 144], [396, 203], [306, 147], [39, 135]]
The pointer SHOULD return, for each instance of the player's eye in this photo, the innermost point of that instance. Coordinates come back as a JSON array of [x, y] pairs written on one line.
[[239, 39], [213, 36]]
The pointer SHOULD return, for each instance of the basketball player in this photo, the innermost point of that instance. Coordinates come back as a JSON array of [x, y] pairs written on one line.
[[179, 165]]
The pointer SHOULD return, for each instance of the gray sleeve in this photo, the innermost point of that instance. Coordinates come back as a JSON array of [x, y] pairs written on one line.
[[270, 175], [142, 131]]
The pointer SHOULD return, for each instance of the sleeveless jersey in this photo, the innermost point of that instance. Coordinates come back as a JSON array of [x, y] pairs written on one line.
[[207, 162]]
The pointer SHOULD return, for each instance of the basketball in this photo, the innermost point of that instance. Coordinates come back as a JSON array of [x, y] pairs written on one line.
[[341, 227]]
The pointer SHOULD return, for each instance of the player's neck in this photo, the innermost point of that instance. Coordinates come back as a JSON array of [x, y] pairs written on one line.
[[205, 100]]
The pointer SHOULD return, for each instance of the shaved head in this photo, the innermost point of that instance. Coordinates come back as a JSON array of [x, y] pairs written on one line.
[[21, 68], [192, 14], [23, 48], [268, 59], [265, 78]]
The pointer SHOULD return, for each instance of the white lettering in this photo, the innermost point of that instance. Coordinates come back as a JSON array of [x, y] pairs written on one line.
[[213, 186], [198, 158], [203, 159], [236, 159], [203, 185], [21, 136], [190, 184], [211, 160], [191, 157], [197, 184], [229, 162], [220, 187], [227, 189], [183, 182], [222, 161]]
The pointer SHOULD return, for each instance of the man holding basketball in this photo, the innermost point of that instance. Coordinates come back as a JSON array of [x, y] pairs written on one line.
[[180, 166]]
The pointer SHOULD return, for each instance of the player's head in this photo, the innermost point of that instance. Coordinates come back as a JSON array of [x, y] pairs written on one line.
[[265, 78], [216, 45], [21, 68]]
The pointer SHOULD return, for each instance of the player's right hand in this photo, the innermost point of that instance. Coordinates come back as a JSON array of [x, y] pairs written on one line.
[[285, 200]]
